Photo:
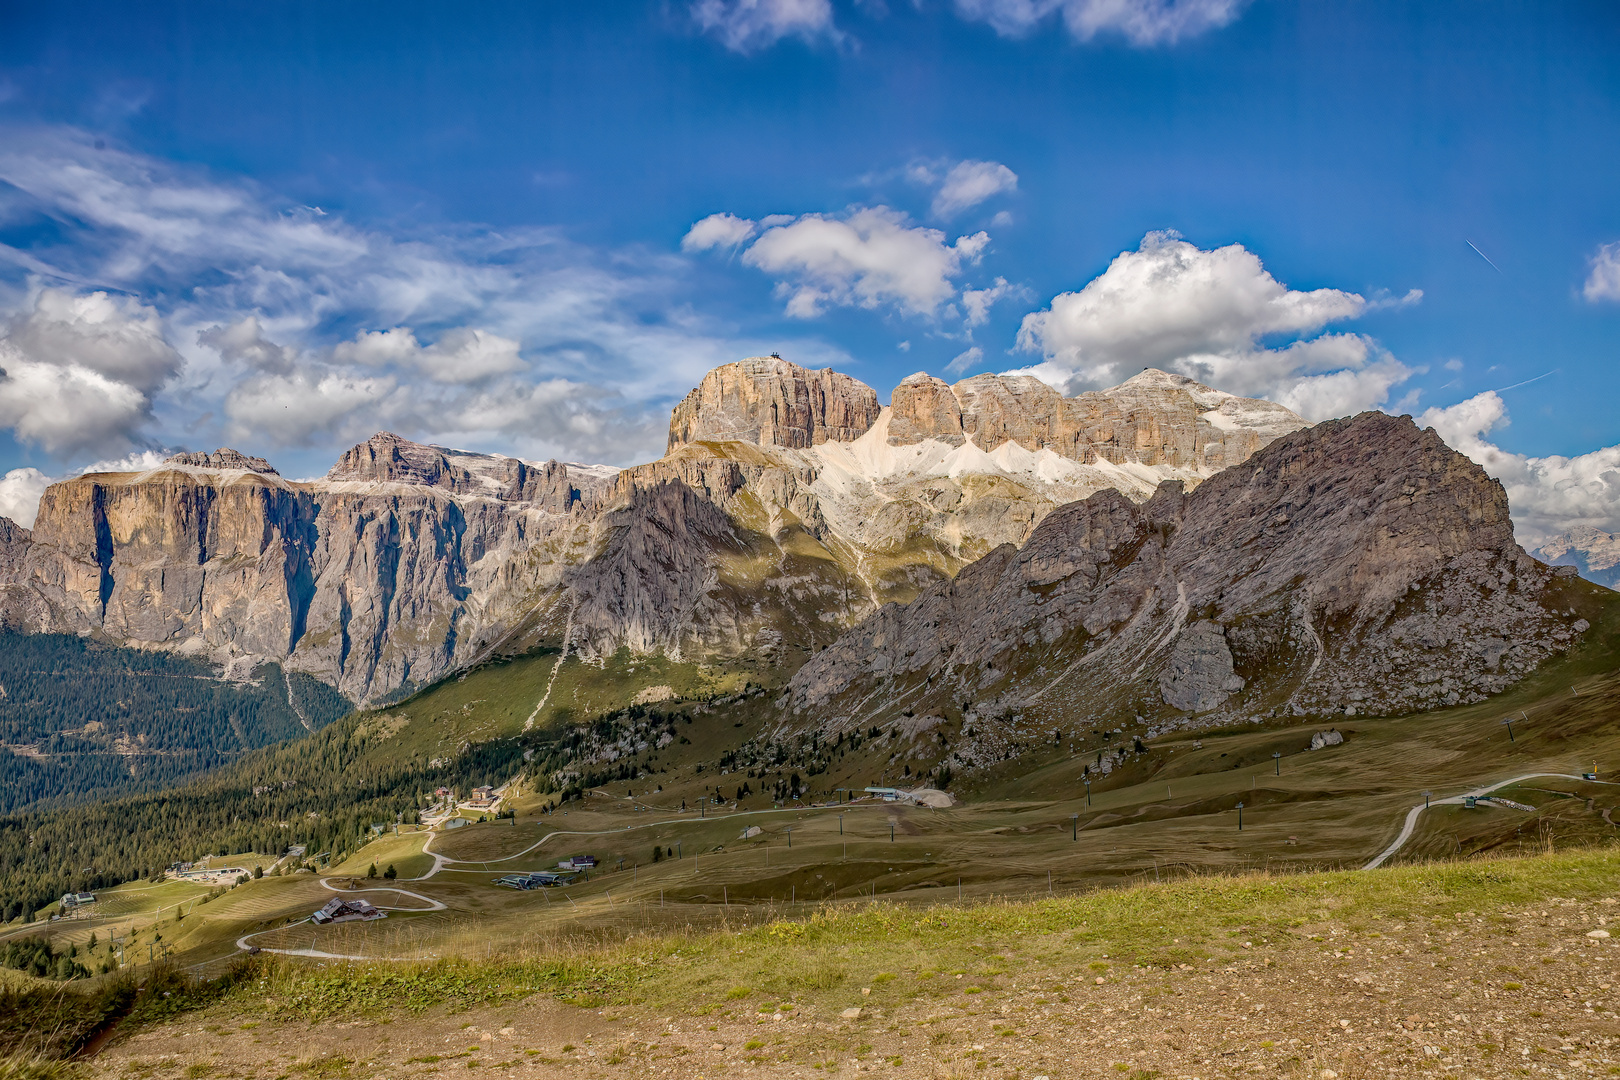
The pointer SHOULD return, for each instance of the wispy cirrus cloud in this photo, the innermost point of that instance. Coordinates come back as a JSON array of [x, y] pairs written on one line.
[[746, 26], [1141, 23], [279, 325], [961, 185], [749, 26]]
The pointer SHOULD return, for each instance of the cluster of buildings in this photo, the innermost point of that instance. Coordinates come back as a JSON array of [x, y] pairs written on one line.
[[540, 879], [565, 874]]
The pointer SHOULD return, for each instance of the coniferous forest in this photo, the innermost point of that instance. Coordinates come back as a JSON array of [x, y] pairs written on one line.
[[323, 791], [80, 720]]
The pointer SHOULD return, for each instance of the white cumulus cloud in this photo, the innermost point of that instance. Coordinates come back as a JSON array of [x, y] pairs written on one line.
[[1140, 22], [1205, 314], [718, 231], [1603, 281], [977, 302], [297, 408], [79, 371], [747, 26], [20, 490], [969, 183], [1547, 495], [461, 355], [870, 257]]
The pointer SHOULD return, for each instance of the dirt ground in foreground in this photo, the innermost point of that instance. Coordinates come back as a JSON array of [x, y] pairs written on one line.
[[1519, 993]]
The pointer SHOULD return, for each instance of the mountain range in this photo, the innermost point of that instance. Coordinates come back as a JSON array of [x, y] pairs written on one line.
[[984, 549], [790, 504]]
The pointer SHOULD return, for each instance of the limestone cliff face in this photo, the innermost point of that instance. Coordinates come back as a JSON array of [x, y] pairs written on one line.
[[768, 401], [224, 458], [21, 608], [1358, 566], [179, 555], [1156, 419], [386, 458], [1595, 554], [387, 574], [788, 534], [923, 407]]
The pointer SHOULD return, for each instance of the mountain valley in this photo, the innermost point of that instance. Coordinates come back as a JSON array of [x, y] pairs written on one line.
[[1151, 631]]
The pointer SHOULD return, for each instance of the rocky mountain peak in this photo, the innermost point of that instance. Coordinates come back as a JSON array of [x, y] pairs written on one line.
[[1153, 379], [223, 458], [924, 407], [1358, 566], [389, 458], [386, 457], [768, 401]]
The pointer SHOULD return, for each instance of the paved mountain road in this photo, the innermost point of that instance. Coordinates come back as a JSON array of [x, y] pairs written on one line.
[[1412, 815]]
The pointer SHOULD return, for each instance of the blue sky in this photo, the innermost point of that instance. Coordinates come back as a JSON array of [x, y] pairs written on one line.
[[283, 229]]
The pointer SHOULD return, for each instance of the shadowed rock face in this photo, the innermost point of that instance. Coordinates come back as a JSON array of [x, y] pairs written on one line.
[[770, 402], [1360, 565]]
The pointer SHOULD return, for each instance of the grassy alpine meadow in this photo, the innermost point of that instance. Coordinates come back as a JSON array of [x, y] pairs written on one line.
[[917, 950], [1446, 967]]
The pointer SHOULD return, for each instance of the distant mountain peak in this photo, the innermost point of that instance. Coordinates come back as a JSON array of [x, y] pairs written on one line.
[[1593, 552], [223, 458]]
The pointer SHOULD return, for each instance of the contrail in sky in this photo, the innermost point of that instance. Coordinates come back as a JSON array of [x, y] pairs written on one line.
[[1484, 256], [1526, 382]]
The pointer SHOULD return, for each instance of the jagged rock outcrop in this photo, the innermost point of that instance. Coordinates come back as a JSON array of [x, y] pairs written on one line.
[[223, 459], [1198, 675], [768, 401], [386, 458], [21, 608], [1357, 566], [924, 407]]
